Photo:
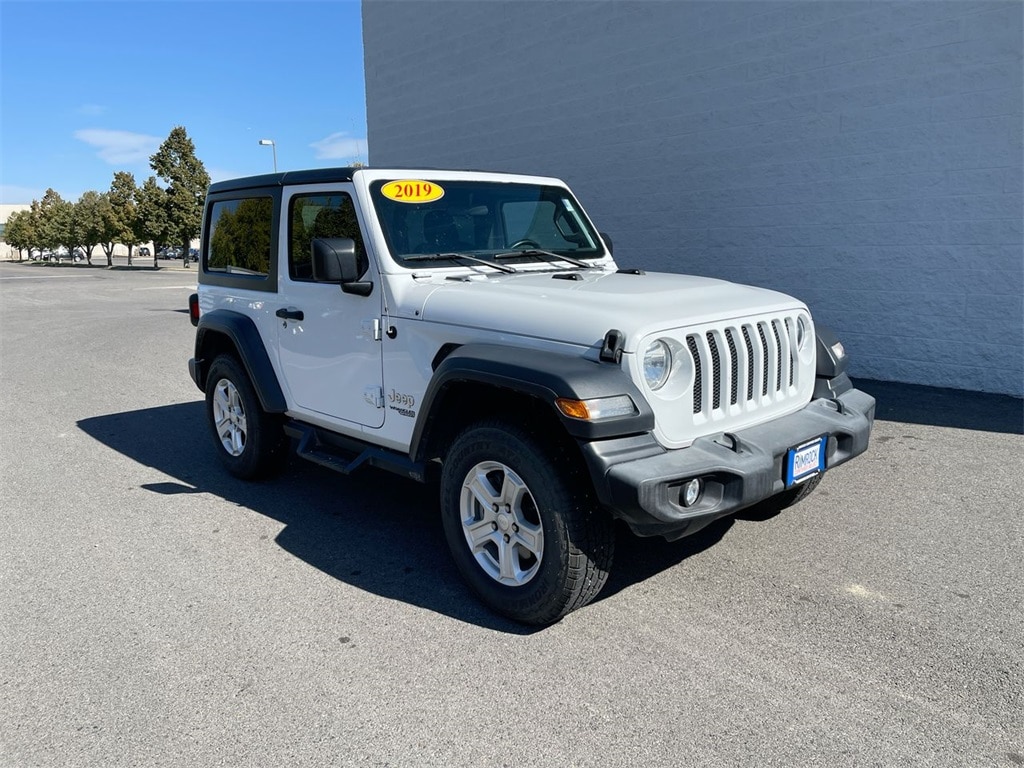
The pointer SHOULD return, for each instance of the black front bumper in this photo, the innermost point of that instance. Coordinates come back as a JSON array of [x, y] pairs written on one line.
[[641, 482]]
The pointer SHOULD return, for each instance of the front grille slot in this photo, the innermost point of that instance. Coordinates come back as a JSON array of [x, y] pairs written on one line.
[[734, 367], [698, 400], [764, 360], [716, 386], [750, 363], [778, 356], [792, 348]]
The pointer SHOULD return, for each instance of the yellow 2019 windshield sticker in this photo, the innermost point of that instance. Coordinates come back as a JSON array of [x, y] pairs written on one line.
[[412, 191]]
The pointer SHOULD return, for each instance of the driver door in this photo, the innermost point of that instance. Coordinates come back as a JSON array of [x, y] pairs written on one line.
[[328, 341]]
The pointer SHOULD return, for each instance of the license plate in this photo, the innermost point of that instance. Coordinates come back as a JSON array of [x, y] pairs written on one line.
[[805, 461]]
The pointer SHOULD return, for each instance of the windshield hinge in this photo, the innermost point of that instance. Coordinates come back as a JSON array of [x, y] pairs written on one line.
[[371, 329]]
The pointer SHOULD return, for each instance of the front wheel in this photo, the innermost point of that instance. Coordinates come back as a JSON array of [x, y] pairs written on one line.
[[522, 524]]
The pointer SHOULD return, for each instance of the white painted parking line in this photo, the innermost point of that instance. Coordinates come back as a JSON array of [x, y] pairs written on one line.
[[36, 277]]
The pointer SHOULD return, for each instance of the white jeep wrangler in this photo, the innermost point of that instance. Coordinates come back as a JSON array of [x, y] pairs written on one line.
[[473, 329]]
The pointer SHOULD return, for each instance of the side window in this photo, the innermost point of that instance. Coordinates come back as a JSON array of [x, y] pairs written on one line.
[[240, 238], [319, 215]]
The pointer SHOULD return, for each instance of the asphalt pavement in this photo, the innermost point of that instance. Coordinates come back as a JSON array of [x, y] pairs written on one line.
[[155, 611]]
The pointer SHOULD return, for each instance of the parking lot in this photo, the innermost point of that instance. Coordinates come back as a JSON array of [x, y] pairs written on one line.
[[157, 611]]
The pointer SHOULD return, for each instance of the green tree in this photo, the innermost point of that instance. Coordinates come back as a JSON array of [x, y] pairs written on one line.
[[20, 232], [88, 228], [122, 211], [55, 221], [176, 163], [36, 217], [151, 223]]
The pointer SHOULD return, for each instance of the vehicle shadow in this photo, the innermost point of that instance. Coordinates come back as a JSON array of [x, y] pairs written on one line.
[[372, 530], [939, 407]]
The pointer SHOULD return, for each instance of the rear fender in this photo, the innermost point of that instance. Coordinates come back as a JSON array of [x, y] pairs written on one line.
[[223, 330]]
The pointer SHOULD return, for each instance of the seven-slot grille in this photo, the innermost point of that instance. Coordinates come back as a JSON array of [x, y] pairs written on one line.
[[743, 364]]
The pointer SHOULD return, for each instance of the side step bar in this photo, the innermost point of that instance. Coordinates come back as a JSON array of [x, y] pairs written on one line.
[[345, 455]]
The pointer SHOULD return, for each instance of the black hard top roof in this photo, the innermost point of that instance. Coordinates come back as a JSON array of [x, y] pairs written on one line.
[[308, 176]]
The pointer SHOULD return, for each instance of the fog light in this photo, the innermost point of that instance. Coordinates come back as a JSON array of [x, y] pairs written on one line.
[[691, 492]]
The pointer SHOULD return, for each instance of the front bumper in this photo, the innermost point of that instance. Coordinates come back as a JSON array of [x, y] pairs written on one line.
[[641, 482]]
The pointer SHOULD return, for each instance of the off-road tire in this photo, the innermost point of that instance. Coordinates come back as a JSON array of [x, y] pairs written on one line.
[[550, 493], [250, 442]]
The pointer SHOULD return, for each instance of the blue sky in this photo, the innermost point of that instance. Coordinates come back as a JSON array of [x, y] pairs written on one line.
[[89, 88]]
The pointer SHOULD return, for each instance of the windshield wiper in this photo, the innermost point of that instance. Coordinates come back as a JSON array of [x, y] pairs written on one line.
[[548, 256], [467, 257]]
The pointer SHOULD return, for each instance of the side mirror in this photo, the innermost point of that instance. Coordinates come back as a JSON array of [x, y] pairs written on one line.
[[335, 261], [607, 241]]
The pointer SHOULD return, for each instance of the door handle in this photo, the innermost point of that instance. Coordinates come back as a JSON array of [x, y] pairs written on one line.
[[290, 313]]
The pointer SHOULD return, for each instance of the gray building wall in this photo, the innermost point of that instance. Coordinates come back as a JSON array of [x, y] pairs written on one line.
[[865, 157]]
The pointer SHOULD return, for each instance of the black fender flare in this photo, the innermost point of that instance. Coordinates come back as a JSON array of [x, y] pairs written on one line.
[[543, 375], [241, 331]]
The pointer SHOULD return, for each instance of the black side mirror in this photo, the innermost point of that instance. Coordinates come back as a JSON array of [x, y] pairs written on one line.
[[607, 241], [335, 261]]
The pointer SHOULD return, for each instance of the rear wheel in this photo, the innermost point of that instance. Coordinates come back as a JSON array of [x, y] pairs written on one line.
[[250, 442], [522, 524]]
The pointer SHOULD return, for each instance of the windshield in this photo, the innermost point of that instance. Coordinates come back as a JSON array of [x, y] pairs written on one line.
[[486, 219]]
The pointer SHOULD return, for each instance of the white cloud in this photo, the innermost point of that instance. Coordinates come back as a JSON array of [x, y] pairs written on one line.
[[119, 147], [340, 146]]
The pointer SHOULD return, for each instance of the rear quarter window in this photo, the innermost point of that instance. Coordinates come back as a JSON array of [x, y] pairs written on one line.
[[240, 236]]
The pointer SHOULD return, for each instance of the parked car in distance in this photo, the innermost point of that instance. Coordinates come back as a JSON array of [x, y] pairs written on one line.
[[144, 252]]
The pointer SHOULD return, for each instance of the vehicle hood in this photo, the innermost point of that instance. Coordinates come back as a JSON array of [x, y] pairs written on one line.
[[581, 310]]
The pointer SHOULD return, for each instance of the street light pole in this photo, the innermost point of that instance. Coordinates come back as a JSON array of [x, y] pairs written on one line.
[[270, 143]]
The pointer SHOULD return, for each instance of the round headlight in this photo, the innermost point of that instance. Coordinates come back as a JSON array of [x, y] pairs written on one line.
[[657, 364]]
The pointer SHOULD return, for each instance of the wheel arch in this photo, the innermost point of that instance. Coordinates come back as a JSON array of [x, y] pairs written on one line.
[[486, 381], [225, 332]]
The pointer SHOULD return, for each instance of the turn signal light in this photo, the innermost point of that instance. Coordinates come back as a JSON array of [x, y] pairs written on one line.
[[597, 408]]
